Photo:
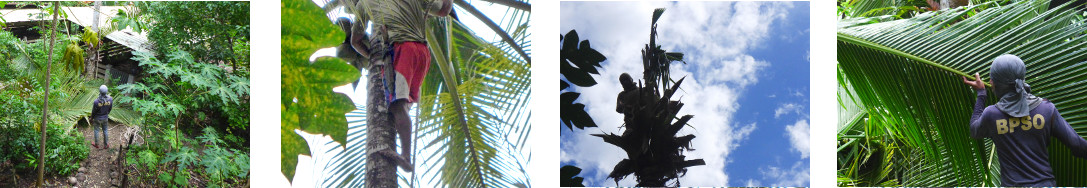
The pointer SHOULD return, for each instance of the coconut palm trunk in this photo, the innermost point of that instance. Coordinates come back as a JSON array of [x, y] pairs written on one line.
[[380, 171]]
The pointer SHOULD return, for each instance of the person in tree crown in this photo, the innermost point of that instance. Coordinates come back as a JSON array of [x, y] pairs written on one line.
[[1020, 125], [399, 37], [100, 116]]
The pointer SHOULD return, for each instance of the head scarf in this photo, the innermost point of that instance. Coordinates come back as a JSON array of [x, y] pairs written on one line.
[[103, 90], [1008, 73]]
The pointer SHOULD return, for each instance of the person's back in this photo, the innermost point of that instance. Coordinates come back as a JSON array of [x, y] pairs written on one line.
[[102, 106], [1021, 143], [1020, 125]]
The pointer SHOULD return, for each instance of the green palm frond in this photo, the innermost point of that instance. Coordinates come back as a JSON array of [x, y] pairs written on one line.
[[907, 75], [347, 166], [482, 131], [513, 35]]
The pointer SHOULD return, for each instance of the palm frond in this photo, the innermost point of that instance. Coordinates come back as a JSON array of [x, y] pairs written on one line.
[[907, 74], [485, 134], [502, 32]]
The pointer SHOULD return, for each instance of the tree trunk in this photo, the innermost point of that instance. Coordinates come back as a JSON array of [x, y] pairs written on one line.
[[380, 171], [90, 68], [45, 108]]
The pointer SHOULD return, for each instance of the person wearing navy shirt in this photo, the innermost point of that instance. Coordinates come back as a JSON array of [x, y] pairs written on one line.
[[1020, 125], [100, 116]]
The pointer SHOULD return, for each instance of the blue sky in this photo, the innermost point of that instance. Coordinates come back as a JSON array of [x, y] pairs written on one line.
[[747, 85]]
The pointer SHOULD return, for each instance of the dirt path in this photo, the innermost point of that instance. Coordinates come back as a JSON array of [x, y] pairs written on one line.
[[100, 168]]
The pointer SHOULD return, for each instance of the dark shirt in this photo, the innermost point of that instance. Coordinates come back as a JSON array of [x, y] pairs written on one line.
[[1021, 141], [101, 108]]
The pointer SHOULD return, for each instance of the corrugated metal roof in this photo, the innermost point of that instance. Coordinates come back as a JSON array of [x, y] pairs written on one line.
[[84, 16]]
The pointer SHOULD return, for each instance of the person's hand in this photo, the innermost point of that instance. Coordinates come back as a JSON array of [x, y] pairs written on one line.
[[977, 84]]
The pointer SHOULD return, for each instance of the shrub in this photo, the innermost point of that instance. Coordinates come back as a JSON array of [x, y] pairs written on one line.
[[63, 154]]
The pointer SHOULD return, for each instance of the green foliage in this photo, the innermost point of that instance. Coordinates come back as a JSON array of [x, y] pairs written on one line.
[[20, 143], [73, 57], [147, 159], [459, 104], [218, 164], [307, 101], [875, 8], [129, 19], [208, 38], [222, 167], [184, 158], [89, 37], [181, 88], [900, 137], [176, 179]]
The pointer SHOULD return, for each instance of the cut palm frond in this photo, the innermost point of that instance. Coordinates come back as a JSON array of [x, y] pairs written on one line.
[[907, 74]]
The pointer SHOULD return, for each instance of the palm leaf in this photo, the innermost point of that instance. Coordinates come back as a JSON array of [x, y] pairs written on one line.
[[906, 72], [489, 93]]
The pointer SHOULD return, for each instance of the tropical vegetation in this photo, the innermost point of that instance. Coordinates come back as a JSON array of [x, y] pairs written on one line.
[[471, 123], [188, 112], [903, 110]]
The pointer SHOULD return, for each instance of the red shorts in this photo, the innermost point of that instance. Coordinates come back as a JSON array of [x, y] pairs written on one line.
[[411, 61]]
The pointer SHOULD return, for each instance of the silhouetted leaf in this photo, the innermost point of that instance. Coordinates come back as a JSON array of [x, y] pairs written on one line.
[[573, 114], [568, 177]]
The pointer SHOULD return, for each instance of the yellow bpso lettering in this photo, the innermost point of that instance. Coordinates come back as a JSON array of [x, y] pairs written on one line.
[[1026, 122], [1001, 126], [1039, 121], [1023, 123], [1012, 124]]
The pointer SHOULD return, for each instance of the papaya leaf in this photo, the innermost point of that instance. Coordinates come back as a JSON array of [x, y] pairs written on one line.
[[307, 101]]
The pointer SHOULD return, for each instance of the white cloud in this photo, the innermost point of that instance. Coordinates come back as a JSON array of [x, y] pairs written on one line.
[[715, 37], [752, 183], [798, 93], [786, 109], [799, 136], [797, 175]]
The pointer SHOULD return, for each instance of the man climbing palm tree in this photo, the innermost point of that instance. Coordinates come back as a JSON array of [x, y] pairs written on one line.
[[100, 114], [399, 36], [1020, 125]]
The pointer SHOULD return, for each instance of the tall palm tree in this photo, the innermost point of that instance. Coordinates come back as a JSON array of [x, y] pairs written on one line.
[[470, 113], [654, 152], [903, 75]]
